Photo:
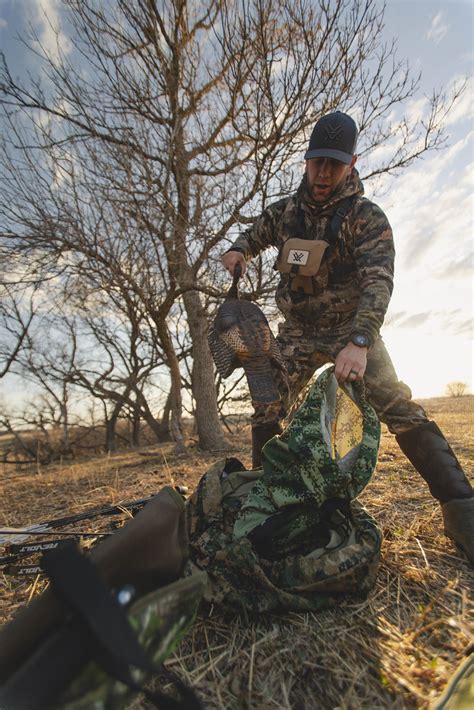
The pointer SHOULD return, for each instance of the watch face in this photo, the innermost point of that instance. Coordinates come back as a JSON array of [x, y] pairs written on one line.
[[361, 340]]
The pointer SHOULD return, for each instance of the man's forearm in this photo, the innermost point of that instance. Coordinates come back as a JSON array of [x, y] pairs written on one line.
[[371, 310], [244, 246]]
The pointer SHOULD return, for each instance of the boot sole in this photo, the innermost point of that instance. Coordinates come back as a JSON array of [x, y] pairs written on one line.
[[458, 545]]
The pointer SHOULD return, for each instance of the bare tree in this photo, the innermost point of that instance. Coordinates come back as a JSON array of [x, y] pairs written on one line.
[[180, 120], [100, 269], [17, 310], [457, 389], [110, 372], [46, 362]]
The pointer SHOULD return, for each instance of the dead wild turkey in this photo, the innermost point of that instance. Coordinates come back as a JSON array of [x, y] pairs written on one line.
[[241, 337]]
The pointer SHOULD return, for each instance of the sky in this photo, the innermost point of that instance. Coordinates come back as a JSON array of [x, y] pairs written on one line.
[[428, 329], [429, 325]]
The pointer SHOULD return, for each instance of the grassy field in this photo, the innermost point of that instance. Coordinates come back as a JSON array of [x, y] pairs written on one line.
[[396, 650]]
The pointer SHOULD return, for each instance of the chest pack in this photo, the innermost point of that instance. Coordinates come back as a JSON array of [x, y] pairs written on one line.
[[300, 255]]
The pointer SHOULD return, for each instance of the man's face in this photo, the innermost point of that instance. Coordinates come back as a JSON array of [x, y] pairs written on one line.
[[325, 176]]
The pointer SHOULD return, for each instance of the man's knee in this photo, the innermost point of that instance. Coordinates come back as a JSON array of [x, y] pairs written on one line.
[[395, 407], [390, 397]]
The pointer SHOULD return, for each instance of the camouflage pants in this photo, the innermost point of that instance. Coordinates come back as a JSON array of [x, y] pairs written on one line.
[[305, 350]]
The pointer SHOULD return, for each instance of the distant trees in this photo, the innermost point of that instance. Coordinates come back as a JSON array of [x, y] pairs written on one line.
[[127, 166], [457, 389]]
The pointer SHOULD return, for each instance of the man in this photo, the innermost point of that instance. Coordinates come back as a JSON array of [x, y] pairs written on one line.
[[336, 258]]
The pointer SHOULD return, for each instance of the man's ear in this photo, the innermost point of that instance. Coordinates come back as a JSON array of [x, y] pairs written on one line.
[[353, 161]]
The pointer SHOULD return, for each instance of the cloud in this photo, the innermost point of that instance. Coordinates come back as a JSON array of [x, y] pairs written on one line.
[[45, 17], [394, 319], [438, 29], [454, 321], [465, 327], [457, 268], [430, 208], [456, 124], [416, 319]]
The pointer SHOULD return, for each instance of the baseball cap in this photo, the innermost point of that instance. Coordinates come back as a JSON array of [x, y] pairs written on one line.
[[333, 136]]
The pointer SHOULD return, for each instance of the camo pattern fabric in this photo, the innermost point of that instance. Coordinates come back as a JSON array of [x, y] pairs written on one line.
[[160, 620], [286, 537], [304, 351], [354, 284]]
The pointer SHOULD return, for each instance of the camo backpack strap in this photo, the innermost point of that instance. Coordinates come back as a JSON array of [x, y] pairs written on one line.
[[98, 631], [160, 620]]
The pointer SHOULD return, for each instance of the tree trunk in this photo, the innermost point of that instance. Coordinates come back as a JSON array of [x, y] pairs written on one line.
[[165, 417], [176, 424], [65, 431], [111, 422], [136, 426], [156, 426], [110, 437], [209, 429], [210, 435]]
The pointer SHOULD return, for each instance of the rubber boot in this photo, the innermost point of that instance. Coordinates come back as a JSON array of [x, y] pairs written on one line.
[[458, 517], [260, 435], [427, 449]]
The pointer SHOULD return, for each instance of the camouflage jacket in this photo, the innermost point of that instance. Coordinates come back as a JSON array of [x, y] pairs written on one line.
[[352, 289]]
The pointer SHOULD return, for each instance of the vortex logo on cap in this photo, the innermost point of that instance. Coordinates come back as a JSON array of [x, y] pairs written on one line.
[[333, 132]]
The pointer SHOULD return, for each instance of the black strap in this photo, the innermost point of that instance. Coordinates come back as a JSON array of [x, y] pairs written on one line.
[[333, 228], [75, 578], [298, 227], [343, 209]]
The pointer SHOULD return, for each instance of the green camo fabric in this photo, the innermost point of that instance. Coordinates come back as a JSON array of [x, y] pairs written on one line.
[[287, 537], [459, 693], [160, 620]]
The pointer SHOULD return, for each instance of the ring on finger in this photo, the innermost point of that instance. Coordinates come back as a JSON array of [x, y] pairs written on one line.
[[355, 373]]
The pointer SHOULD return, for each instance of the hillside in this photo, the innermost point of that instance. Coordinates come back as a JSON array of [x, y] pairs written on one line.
[[396, 650]]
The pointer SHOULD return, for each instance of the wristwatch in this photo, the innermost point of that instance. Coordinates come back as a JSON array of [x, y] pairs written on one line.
[[360, 339]]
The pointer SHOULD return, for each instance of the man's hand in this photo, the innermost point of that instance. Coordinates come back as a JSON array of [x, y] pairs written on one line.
[[231, 259], [350, 364]]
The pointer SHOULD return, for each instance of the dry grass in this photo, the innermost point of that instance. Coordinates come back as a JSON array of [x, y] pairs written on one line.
[[396, 650]]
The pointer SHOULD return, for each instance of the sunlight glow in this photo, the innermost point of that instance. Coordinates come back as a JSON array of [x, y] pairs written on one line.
[[427, 363]]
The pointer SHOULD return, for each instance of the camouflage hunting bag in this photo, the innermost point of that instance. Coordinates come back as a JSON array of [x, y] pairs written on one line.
[[288, 536], [107, 621]]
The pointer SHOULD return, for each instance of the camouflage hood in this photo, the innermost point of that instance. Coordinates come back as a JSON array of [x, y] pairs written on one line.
[[352, 186], [286, 537]]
